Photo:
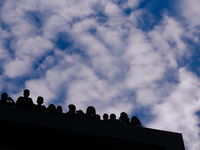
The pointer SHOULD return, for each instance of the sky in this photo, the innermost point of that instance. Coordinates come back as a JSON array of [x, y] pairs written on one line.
[[141, 57]]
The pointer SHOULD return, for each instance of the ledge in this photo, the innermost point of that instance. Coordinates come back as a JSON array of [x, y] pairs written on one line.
[[61, 127]]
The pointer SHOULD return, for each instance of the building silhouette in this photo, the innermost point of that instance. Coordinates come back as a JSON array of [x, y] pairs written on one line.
[[24, 128]]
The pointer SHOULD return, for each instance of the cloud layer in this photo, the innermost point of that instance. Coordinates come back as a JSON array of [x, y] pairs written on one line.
[[114, 55]]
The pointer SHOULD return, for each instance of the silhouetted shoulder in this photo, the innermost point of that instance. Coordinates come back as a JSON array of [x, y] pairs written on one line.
[[24, 102], [19, 101]]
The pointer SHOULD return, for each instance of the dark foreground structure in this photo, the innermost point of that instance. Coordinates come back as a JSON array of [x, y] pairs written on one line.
[[23, 128]]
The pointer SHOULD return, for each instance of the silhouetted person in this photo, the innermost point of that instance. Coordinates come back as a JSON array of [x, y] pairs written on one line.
[[105, 117], [113, 118], [40, 101], [52, 108], [124, 118], [25, 101], [59, 109], [135, 122], [72, 110], [5, 100], [80, 113], [98, 117], [91, 112]]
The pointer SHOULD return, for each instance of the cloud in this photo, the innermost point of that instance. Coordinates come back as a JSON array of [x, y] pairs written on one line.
[[190, 11], [142, 60], [177, 112], [33, 46], [4, 44], [133, 3], [27, 52], [18, 67], [2, 82], [112, 10], [167, 38], [102, 53]]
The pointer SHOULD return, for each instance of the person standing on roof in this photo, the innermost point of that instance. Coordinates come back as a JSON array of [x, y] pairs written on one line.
[[25, 101]]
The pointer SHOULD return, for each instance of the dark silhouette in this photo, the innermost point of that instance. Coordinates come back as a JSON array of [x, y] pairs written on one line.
[[105, 117], [98, 117], [113, 118], [80, 113], [40, 101], [55, 131], [72, 110], [59, 109], [124, 118], [5, 100], [52, 108], [135, 122], [91, 112], [25, 101]]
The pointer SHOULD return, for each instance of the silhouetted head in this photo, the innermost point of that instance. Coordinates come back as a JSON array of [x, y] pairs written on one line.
[[112, 117], [123, 115], [80, 113], [51, 107], [135, 121], [4, 96], [72, 107], [124, 118], [98, 117], [105, 116], [40, 100], [91, 111], [26, 93], [59, 109]]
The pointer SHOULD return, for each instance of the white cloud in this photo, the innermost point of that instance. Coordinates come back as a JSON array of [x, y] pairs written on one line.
[[84, 26], [102, 60], [143, 61], [18, 67], [190, 11], [4, 54], [136, 16], [41, 88], [177, 112], [2, 83], [113, 39], [54, 25], [26, 53], [33, 46], [112, 10], [146, 97], [169, 32]]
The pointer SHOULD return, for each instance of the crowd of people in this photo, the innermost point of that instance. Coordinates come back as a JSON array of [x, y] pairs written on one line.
[[26, 102]]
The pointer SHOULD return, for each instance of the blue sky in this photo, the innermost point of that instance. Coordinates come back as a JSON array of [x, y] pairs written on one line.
[[137, 56]]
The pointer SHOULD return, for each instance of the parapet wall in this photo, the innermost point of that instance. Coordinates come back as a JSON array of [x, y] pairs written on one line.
[[58, 128]]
